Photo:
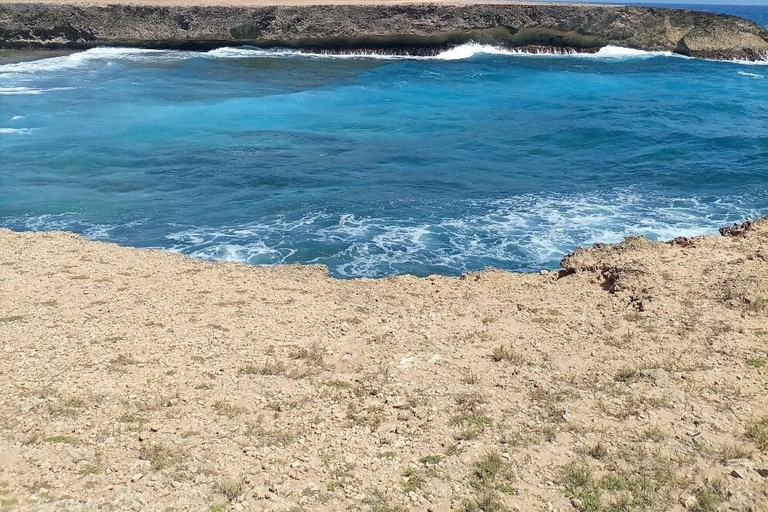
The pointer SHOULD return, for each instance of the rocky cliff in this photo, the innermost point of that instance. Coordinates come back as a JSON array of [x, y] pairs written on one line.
[[414, 28]]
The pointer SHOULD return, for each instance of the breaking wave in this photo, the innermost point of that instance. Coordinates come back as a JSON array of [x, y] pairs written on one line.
[[103, 55], [523, 233]]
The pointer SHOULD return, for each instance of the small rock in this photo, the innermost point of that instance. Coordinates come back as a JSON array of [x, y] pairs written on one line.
[[763, 472], [738, 473], [136, 477], [689, 501], [577, 504]]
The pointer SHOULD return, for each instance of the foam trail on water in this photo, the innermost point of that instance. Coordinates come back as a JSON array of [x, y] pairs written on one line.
[[16, 131], [14, 91]]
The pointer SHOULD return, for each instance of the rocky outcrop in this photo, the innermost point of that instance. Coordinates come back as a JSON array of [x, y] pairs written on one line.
[[412, 28]]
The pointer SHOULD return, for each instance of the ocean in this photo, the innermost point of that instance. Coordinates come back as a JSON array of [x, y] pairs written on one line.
[[377, 166]]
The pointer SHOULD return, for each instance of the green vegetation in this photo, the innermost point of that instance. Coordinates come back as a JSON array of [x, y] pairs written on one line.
[[160, 456], [758, 433]]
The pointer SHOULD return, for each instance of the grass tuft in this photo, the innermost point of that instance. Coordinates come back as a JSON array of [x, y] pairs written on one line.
[[159, 456], [230, 488], [506, 354], [757, 432]]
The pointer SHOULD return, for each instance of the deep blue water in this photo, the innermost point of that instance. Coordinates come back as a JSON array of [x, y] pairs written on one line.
[[377, 167]]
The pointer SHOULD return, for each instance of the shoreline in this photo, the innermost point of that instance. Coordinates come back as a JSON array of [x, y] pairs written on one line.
[[142, 379], [731, 230], [414, 27]]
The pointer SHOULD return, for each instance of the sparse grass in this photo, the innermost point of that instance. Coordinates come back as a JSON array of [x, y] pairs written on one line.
[[653, 433], [757, 432], [268, 437], [580, 485], [230, 488], [709, 497], [413, 480], [160, 456], [732, 451], [70, 406], [757, 362], [120, 362], [470, 416], [472, 424], [269, 368], [431, 459], [63, 440], [506, 354], [485, 501], [313, 355], [338, 384], [454, 449], [598, 451], [470, 378], [37, 486], [91, 469], [9, 319], [626, 375], [378, 502], [132, 418], [470, 402], [370, 417], [226, 409], [491, 471], [371, 384], [647, 483]]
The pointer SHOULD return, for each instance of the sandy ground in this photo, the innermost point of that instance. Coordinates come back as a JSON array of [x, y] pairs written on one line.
[[260, 3], [142, 380]]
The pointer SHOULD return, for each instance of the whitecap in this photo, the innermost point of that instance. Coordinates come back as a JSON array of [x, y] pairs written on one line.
[[17, 131], [87, 57], [13, 91], [751, 75]]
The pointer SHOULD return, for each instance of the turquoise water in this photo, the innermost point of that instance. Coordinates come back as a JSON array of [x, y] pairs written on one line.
[[378, 166]]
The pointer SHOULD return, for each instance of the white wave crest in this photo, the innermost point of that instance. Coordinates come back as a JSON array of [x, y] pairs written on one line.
[[14, 91], [751, 75], [460, 52], [16, 131], [101, 55], [525, 232], [250, 52], [88, 57]]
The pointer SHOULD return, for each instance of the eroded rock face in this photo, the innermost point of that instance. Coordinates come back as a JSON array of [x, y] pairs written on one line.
[[408, 28]]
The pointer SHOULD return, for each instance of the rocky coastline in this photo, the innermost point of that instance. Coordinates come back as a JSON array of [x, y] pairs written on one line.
[[413, 28]]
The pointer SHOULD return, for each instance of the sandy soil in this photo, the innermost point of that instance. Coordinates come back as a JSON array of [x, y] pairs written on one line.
[[141, 380]]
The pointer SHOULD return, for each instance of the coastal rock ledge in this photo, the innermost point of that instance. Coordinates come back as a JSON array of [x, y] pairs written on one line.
[[414, 28]]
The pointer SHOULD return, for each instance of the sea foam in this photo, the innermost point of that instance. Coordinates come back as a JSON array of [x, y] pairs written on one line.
[[101, 55]]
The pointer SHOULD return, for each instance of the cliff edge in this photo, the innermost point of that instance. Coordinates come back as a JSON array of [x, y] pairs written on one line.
[[634, 379], [415, 28]]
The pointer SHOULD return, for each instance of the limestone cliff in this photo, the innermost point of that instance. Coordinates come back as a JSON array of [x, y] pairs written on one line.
[[414, 28]]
